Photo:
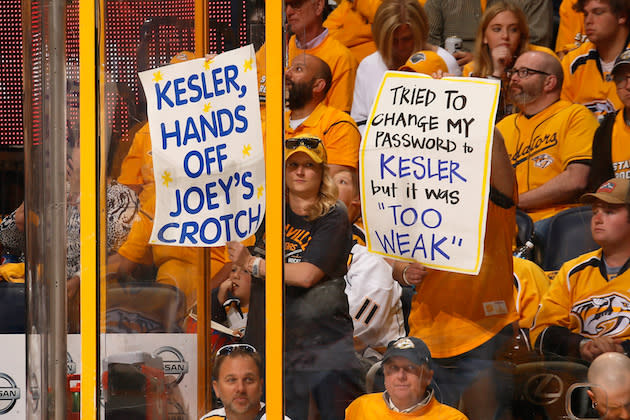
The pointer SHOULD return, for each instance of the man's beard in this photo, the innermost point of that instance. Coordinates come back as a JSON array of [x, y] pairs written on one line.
[[300, 94], [526, 95]]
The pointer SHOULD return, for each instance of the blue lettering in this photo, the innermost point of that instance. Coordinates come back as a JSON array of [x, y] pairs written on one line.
[[204, 84], [217, 82], [226, 188], [178, 205], [402, 244], [435, 246], [253, 219], [161, 95], [240, 118], [199, 192], [384, 165], [226, 219], [188, 230], [162, 231], [187, 169], [179, 91], [419, 246], [223, 131], [245, 183], [385, 243], [210, 195], [166, 135], [403, 171], [204, 226], [191, 131], [241, 234], [192, 86], [205, 124], [231, 72]]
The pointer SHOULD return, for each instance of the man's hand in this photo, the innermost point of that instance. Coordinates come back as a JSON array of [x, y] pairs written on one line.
[[463, 57], [591, 349], [239, 254]]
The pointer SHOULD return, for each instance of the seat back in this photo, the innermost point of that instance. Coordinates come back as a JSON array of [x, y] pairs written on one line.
[[569, 236], [143, 307], [540, 388], [12, 308]]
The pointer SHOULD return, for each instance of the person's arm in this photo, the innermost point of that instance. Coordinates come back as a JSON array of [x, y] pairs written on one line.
[[540, 21], [550, 331], [502, 173], [436, 22], [562, 188], [303, 274]]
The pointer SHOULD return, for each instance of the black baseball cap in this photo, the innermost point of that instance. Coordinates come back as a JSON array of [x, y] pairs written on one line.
[[411, 348], [622, 59]]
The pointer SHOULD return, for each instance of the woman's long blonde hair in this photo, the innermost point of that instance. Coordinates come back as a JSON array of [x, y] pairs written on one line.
[[328, 194], [482, 66]]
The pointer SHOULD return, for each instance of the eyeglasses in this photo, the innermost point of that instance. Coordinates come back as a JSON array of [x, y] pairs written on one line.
[[621, 79], [524, 72], [308, 142], [225, 350], [410, 369]]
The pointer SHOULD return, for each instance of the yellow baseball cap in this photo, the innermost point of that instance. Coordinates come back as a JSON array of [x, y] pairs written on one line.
[[426, 62], [307, 143]]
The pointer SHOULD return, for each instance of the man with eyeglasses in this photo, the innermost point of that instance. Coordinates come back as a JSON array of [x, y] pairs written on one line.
[[408, 393], [588, 68], [237, 381], [611, 154], [548, 141], [609, 376]]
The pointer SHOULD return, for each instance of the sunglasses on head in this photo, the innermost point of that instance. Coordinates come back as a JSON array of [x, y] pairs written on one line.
[[225, 350], [308, 142]]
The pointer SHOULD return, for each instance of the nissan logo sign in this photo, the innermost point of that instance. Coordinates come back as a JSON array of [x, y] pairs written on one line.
[[9, 393], [173, 362]]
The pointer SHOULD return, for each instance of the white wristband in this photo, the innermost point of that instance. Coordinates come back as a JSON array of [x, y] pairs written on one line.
[[404, 275], [256, 267]]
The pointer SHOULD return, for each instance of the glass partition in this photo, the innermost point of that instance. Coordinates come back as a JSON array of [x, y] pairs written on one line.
[[310, 311]]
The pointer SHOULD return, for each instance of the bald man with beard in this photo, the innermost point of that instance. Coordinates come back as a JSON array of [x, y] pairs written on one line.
[[308, 82], [609, 375]]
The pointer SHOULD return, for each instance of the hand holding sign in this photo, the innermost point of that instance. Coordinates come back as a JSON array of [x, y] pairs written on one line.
[[208, 159], [425, 169]]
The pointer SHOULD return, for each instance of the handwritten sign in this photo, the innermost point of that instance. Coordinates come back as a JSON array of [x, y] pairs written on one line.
[[425, 169], [204, 119]]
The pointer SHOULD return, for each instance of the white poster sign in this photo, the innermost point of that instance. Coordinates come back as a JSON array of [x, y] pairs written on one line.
[[208, 161], [425, 169]]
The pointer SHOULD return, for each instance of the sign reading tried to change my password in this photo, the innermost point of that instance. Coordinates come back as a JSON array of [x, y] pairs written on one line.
[[206, 138], [425, 169]]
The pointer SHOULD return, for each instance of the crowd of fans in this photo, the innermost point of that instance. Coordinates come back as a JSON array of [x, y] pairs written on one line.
[[561, 141]]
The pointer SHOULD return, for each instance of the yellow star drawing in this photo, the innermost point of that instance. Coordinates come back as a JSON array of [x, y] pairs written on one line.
[[207, 107], [206, 65], [157, 76], [246, 150], [248, 65], [167, 178], [260, 191]]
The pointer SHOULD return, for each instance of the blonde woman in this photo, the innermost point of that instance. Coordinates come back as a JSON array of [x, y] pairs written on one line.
[[502, 36], [319, 353], [400, 29]]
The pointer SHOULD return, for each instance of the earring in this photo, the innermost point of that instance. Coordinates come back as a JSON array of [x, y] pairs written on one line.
[[594, 404]]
